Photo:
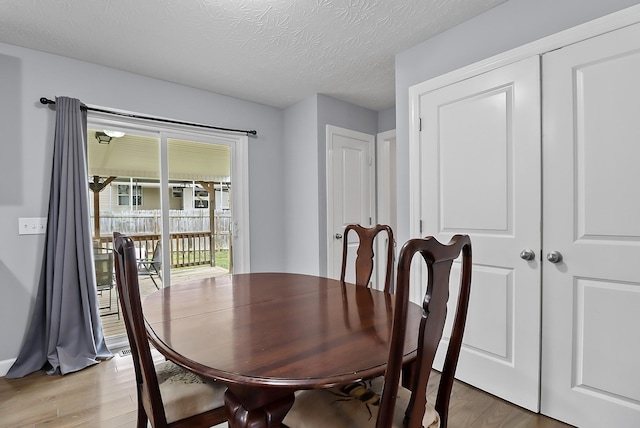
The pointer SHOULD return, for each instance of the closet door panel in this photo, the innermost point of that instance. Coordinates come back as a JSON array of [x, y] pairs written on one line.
[[480, 166], [591, 199]]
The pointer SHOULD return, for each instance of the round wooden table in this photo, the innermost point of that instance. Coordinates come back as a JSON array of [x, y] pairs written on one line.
[[266, 335]]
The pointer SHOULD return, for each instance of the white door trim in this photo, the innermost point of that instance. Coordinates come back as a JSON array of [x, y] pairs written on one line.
[[386, 206], [385, 142]]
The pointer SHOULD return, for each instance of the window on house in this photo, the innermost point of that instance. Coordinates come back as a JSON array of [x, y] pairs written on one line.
[[129, 195], [201, 199]]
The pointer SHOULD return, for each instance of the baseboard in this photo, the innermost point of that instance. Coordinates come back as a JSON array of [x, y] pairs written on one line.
[[115, 344], [5, 365]]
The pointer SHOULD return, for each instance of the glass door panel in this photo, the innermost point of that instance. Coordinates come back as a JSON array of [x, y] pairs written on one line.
[[124, 196], [199, 190]]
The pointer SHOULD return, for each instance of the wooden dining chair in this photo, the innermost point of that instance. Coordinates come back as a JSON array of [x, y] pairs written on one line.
[[383, 402], [366, 252], [168, 395]]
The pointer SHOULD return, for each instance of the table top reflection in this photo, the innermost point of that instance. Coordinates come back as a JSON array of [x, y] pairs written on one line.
[[275, 331]]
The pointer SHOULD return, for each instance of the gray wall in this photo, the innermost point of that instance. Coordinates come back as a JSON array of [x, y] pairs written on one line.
[[387, 119], [305, 126], [300, 210], [507, 26], [286, 164], [26, 151]]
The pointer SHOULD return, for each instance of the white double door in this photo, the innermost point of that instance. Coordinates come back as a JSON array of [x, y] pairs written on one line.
[[559, 336]]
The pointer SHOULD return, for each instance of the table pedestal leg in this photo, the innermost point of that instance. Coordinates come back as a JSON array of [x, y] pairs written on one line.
[[268, 415]]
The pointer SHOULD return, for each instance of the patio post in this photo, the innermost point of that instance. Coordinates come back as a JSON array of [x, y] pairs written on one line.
[[96, 187], [210, 187]]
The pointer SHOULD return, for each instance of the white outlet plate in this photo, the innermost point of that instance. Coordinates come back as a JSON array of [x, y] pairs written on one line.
[[32, 225]]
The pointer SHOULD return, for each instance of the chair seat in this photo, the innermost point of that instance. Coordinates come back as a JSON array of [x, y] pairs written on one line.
[[352, 407], [186, 394]]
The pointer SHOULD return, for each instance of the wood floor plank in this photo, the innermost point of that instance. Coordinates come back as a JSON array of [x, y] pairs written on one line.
[[104, 396], [466, 405], [503, 414]]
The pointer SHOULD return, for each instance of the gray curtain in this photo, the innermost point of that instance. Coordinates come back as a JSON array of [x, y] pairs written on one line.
[[65, 334]]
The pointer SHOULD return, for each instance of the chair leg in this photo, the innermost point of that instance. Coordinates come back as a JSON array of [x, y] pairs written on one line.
[[110, 304], [154, 281], [106, 306], [142, 419], [142, 415], [117, 304]]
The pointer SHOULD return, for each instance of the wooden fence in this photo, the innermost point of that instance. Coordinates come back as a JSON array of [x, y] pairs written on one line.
[[188, 247]]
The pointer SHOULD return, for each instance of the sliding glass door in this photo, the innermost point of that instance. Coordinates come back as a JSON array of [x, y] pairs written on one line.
[[182, 197]]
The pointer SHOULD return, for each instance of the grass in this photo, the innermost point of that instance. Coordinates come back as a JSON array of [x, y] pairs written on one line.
[[222, 258]]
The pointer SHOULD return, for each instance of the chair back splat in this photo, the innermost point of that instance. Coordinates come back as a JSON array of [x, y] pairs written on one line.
[[365, 254], [439, 259], [161, 399], [389, 404]]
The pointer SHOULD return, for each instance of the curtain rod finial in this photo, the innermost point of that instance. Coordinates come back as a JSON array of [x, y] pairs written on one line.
[[44, 100]]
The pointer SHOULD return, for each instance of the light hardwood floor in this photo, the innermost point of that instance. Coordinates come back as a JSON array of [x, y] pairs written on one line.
[[104, 396]]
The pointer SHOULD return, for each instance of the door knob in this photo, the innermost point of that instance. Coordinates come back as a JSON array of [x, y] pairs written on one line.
[[554, 256], [527, 254], [338, 235]]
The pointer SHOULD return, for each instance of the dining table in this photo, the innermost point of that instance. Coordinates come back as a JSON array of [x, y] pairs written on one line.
[[267, 335]]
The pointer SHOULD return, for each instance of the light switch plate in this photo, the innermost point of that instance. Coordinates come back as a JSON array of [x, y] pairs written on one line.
[[32, 225]]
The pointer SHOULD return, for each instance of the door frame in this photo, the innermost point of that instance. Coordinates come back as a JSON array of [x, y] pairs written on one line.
[[386, 196]]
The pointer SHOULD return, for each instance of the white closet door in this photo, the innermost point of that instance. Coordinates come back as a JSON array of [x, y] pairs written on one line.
[[480, 167], [591, 299]]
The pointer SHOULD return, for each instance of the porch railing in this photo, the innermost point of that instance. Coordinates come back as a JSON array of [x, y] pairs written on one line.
[[187, 249]]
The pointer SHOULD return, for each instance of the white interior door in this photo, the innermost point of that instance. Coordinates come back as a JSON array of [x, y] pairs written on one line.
[[591, 303], [480, 166], [350, 187]]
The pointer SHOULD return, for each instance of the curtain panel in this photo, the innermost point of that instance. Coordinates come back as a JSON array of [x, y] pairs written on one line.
[[65, 334]]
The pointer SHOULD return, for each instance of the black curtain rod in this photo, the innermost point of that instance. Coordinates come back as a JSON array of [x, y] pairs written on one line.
[[44, 100]]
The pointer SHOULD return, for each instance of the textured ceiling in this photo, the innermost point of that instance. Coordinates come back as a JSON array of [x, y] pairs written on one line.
[[274, 52]]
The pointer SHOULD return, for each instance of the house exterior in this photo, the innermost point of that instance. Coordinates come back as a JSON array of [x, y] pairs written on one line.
[[287, 154]]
